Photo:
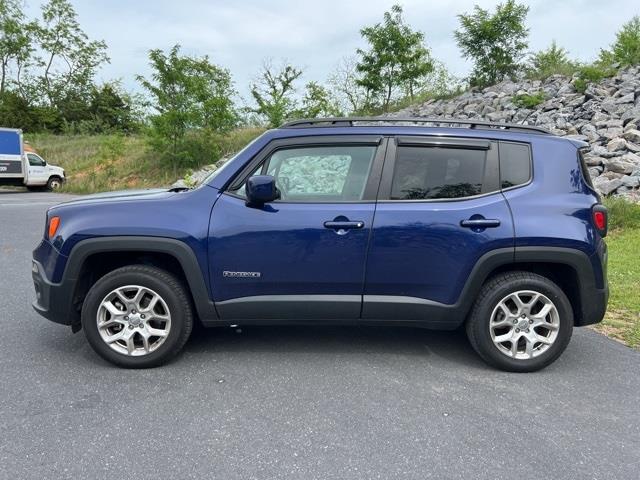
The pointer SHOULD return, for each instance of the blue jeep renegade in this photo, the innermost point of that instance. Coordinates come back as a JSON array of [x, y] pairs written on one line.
[[437, 224]]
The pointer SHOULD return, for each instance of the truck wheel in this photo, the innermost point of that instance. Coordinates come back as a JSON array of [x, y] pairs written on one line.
[[520, 322], [54, 184], [137, 316]]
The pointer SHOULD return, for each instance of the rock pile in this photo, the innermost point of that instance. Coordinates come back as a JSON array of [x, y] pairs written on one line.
[[606, 115]]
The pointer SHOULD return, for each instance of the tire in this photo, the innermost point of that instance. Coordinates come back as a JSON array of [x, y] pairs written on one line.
[[170, 316], [540, 337], [54, 184]]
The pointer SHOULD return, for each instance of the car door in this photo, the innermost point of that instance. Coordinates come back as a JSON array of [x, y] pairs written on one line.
[[302, 256], [440, 209], [37, 170]]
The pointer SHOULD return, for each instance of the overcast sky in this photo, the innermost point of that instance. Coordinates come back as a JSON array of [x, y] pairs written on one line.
[[315, 34]]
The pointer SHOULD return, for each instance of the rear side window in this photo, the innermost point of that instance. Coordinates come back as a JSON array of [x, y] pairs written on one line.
[[424, 173], [515, 164]]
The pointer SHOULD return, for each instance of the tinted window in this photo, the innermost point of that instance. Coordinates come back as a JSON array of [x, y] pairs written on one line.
[[427, 173], [515, 164], [320, 174]]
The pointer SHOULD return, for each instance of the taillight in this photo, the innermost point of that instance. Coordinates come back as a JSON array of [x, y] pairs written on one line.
[[600, 220], [54, 223]]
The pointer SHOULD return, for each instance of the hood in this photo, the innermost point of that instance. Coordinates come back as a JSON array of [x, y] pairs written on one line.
[[123, 196]]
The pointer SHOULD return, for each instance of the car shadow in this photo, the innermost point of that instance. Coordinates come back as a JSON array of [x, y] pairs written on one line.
[[449, 346]]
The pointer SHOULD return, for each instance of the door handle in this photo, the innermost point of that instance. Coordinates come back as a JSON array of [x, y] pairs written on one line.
[[337, 225], [480, 223]]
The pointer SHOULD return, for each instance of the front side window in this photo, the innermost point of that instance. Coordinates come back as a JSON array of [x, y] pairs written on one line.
[[319, 173], [426, 173], [35, 160]]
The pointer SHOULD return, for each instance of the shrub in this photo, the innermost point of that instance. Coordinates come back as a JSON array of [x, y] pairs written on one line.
[[552, 61], [592, 73], [529, 100]]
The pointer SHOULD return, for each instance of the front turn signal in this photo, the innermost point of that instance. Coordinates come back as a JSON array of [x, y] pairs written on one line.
[[54, 223]]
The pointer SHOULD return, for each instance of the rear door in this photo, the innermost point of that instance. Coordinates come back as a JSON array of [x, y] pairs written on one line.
[[440, 209], [303, 256]]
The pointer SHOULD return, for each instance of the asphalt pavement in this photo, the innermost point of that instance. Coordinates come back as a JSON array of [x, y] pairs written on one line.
[[299, 403]]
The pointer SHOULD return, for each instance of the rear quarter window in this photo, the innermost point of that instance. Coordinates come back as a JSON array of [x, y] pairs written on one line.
[[515, 164]]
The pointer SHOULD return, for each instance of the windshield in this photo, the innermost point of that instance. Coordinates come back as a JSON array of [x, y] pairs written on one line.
[[217, 171]]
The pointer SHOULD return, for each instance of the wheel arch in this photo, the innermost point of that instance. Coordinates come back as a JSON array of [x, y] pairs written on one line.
[[93, 258], [569, 268]]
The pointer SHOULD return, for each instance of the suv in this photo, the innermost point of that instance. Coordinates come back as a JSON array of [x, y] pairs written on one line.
[[435, 224]]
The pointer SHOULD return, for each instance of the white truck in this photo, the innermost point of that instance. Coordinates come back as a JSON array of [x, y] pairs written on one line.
[[25, 168]]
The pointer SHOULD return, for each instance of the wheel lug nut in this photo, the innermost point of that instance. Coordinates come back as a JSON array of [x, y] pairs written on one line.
[[133, 310], [527, 330], [142, 316], [530, 321], [515, 322], [521, 316], [126, 317], [517, 330], [130, 327]]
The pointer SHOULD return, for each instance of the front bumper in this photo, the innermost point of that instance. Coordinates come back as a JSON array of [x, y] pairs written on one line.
[[53, 300]]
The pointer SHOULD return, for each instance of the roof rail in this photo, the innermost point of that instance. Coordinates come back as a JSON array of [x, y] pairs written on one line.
[[468, 123]]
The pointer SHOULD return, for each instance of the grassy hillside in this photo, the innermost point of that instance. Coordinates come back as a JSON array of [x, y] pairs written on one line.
[[623, 315], [113, 162]]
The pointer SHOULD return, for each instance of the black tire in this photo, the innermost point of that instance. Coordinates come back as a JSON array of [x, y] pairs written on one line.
[[491, 294], [172, 292], [54, 183]]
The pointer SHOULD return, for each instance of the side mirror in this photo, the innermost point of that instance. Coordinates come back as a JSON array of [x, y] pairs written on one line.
[[261, 189]]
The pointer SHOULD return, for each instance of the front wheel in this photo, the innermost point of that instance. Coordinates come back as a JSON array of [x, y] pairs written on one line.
[[137, 316], [54, 184], [520, 322]]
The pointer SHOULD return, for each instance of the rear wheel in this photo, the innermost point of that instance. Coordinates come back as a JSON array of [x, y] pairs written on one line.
[[137, 316], [521, 322]]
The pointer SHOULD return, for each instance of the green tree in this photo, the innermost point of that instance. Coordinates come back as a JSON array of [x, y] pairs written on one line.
[[495, 42], [67, 59], [396, 59], [15, 42], [273, 93], [318, 102], [626, 49], [188, 94], [350, 96], [554, 60]]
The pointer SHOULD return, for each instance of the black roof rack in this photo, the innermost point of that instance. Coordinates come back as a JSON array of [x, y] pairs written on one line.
[[469, 123]]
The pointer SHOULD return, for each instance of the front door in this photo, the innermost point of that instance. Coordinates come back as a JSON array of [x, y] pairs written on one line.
[[37, 170], [303, 256], [440, 210]]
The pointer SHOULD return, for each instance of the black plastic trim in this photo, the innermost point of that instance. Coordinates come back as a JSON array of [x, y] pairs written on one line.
[[61, 309], [291, 307]]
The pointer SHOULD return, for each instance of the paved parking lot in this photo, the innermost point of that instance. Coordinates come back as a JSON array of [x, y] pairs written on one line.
[[300, 403]]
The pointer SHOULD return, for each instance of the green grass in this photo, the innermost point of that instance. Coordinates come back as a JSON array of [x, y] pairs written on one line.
[[622, 320], [97, 163]]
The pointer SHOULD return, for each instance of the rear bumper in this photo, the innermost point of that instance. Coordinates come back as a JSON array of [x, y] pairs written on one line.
[[53, 300]]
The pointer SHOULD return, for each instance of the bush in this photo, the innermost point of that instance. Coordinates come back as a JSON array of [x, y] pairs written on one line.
[[529, 101], [552, 61], [592, 73]]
